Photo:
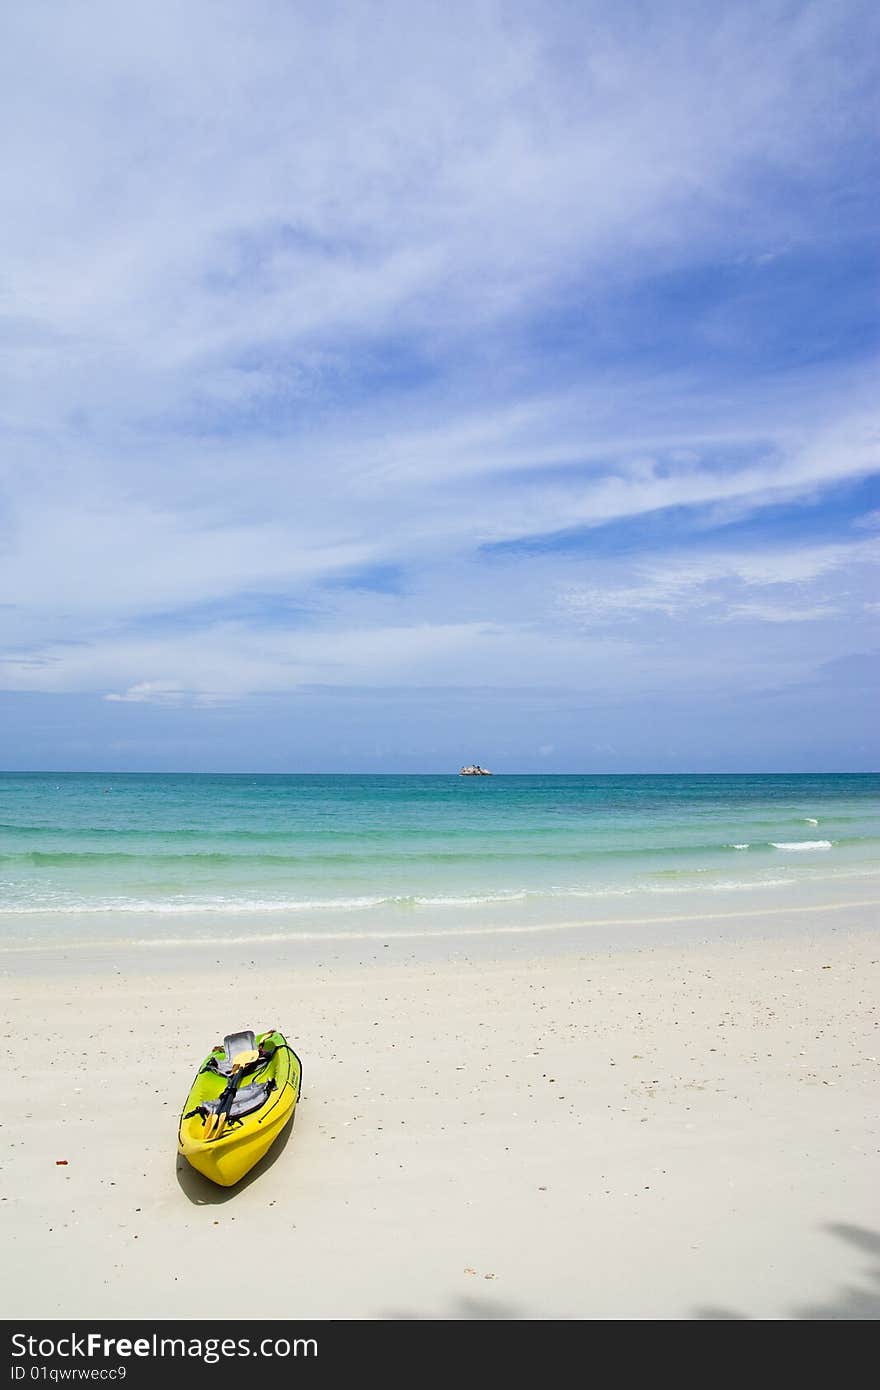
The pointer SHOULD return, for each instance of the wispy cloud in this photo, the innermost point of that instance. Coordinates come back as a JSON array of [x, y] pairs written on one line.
[[291, 297], [168, 694], [718, 584], [149, 693]]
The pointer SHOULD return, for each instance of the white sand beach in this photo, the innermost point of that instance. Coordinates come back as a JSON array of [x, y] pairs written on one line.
[[671, 1132]]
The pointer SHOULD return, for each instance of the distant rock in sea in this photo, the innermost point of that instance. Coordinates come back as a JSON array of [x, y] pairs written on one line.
[[474, 770]]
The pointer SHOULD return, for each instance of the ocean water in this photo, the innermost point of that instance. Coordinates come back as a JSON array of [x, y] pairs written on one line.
[[83, 854]]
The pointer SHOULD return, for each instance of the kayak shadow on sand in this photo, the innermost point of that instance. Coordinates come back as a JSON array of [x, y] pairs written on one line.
[[203, 1193]]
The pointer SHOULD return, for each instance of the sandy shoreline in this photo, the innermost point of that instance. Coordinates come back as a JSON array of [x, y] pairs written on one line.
[[677, 1132]]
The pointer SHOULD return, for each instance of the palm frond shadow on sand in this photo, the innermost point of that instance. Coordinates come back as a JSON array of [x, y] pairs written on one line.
[[465, 1310], [850, 1303]]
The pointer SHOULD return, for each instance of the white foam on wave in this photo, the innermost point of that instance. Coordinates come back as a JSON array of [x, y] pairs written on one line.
[[745, 846], [735, 886], [233, 906], [801, 844], [475, 900], [385, 936], [719, 886], [273, 907], [811, 820]]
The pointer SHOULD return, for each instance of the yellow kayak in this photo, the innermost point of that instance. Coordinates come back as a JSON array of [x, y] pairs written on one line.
[[243, 1096]]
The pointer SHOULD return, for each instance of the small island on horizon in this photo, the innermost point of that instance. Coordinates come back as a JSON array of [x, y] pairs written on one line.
[[474, 770]]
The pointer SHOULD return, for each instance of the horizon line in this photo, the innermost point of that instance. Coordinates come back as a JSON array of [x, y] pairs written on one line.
[[192, 772]]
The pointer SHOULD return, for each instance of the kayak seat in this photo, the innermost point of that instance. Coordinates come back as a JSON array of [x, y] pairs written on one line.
[[247, 1100], [234, 1043]]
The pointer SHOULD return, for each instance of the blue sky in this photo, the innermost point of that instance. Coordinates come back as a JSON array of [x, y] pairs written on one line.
[[391, 387]]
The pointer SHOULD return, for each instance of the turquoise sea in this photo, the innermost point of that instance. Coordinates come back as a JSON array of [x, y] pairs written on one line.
[[82, 853]]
